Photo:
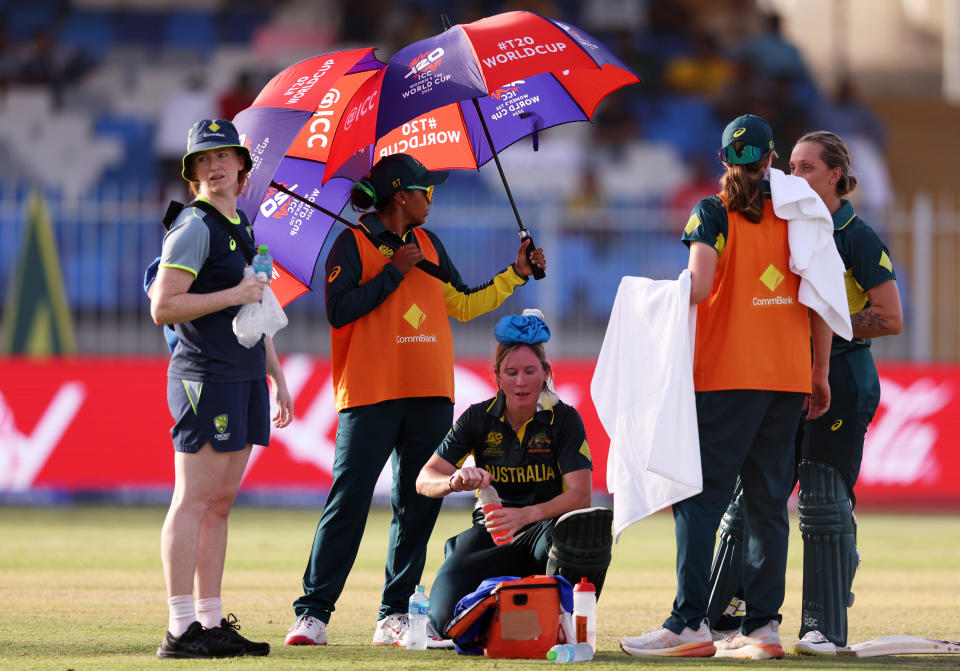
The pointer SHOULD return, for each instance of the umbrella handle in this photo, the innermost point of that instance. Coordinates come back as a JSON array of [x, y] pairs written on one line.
[[538, 272]]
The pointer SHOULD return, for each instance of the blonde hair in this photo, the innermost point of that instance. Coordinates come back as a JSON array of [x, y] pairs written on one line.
[[739, 189]]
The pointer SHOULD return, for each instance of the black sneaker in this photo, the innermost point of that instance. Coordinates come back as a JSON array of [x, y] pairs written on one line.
[[197, 643], [229, 632]]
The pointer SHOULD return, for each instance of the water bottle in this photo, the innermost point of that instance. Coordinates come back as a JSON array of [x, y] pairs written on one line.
[[262, 262], [585, 612], [490, 501], [566, 652], [417, 615]]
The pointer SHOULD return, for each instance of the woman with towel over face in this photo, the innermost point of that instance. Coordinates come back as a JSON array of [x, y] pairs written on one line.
[[831, 446], [752, 376]]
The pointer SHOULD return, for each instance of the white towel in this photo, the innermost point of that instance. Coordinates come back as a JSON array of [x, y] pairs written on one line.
[[813, 253], [643, 392]]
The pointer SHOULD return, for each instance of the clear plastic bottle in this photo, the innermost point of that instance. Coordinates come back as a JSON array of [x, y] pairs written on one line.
[[567, 652], [585, 612], [263, 262], [417, 614], [490, 501]]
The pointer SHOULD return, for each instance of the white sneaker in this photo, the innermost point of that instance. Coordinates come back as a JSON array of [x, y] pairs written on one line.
[[663, 642], [392, 630], [761, 643], [435, 641], [719, 635], [815, 643], [307, 630]]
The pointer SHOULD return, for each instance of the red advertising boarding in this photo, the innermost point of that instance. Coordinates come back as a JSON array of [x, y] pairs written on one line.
[[102, 425]]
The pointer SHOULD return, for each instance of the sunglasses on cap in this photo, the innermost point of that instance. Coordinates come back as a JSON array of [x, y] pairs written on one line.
[[428, 192]]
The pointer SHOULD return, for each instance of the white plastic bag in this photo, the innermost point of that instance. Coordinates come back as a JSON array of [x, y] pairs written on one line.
[[257, 319], [274, 318]]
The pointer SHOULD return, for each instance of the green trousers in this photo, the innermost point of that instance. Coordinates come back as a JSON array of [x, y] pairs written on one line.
[[407, 430], [750, 433]]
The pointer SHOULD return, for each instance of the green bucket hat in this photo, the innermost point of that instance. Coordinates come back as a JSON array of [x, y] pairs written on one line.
[[213, 134]]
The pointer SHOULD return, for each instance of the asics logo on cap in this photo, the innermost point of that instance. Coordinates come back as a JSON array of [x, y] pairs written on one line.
[[740, 131]]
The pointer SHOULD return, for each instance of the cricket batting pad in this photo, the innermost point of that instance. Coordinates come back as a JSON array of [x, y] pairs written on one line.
[[726, 574], [581, 544], [829, 550]]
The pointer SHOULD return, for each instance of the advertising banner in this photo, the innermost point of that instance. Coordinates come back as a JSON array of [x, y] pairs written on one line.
[[102, 425]]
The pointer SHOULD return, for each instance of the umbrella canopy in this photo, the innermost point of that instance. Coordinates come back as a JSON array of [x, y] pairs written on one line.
[[288, 130], [455, 99]]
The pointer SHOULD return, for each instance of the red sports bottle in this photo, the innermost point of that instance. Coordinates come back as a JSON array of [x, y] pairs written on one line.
[[490, 501]]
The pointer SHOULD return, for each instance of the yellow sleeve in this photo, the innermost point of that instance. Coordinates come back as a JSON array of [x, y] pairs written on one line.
[[465, 305]]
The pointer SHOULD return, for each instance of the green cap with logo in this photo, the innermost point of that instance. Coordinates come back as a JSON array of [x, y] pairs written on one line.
[[213, 134], [756, 135], [399, 171]]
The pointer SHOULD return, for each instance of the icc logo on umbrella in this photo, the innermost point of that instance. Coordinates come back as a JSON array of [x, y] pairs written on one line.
[[425, 62]]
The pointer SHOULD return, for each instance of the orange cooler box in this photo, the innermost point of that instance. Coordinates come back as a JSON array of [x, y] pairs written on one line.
[[526, 619]]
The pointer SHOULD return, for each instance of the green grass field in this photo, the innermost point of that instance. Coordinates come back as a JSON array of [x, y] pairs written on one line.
[[81, 588]]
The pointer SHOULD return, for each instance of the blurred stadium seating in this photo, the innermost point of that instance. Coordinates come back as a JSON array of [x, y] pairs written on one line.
[[84, 82]]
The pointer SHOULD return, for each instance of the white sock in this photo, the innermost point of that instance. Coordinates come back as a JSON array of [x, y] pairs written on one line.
[[182, 614], [209, 612]]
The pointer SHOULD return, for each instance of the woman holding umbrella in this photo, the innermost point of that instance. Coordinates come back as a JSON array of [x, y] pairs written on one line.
[[216, 390], [392, 359]]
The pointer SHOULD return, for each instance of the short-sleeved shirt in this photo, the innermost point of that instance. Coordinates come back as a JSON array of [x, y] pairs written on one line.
[[526, 469], [866, 263], [207, 347]]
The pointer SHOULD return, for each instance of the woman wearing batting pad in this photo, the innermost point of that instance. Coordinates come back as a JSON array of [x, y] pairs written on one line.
[[752, 375], [830, 447], [216, 388], [532, 448]]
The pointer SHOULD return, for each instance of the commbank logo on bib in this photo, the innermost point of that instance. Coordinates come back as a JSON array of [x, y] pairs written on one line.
[[772, 278]]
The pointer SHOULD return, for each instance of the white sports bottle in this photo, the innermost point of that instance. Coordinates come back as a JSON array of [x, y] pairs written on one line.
[[585, 612], [263, 262], [565, 652], [417, 614]]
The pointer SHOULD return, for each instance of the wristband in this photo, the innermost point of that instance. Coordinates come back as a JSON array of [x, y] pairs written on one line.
[[450, 483]]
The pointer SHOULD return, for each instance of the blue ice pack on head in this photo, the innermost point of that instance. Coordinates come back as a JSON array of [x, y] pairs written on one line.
[[527, 329]]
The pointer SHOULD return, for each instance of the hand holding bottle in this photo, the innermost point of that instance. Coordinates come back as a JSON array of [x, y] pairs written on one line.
[[469, 477], [493, 511]]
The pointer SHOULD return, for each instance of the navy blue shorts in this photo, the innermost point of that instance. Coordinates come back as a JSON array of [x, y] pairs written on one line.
[[228, 415]]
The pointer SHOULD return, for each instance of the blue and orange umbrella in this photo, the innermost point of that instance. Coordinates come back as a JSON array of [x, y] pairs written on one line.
[[452, 101], [456, 99], [288, 130]]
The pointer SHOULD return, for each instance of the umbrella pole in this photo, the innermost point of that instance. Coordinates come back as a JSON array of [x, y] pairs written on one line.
[[428, 267], [538, 272]]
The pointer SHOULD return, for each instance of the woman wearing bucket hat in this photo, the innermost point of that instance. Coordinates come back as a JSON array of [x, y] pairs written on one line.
[[392, 360], [199, 288], [752, 374], [532, 448]]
